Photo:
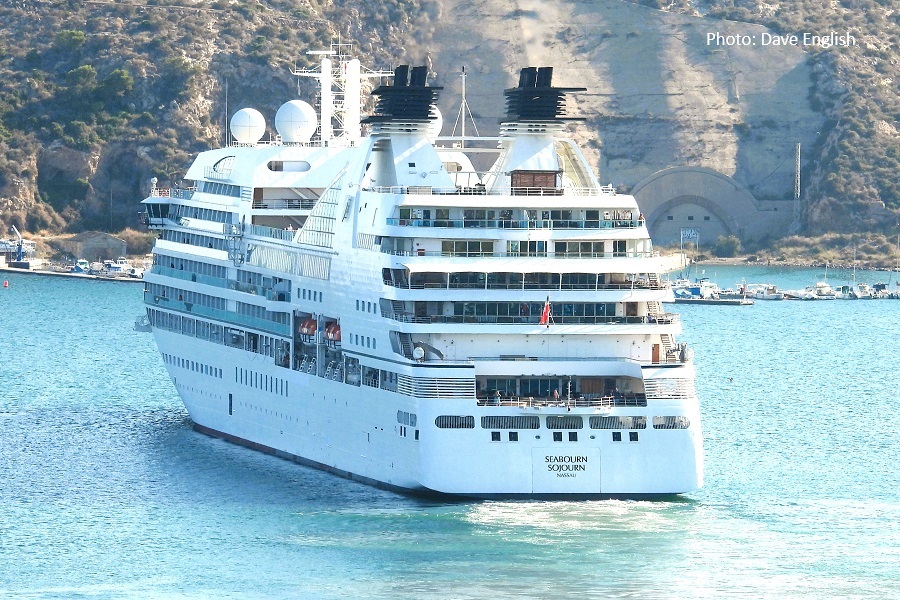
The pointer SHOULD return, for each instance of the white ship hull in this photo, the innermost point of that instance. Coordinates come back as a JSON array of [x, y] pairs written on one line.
[[353, 432], [378, 307]]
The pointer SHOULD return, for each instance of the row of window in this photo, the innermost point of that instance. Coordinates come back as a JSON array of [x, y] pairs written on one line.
[[474, 214], [179, 211], [363, 341], [193, 239], [192, 365], [312, 295], [690, 218], [565, 422], [534, 309], [261, 381], [165, 292], [405, 418], [528, 281], [513, 436], [220, 189], [366, 306], [192, 266], [266, 345], [260, 312]]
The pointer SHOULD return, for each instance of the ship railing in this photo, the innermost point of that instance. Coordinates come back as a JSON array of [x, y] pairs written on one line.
[[179, 193], [285, 235], [231, 284], [668, 318], [568, 256], [480, 190], [284, 204], [219, 314], [580, 401], [662, 285], [528, 224]]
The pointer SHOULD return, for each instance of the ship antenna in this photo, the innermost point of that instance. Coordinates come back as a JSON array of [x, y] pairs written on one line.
[[225, 125], [463, 110]]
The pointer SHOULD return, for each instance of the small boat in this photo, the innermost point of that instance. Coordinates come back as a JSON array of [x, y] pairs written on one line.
[[764, 291], [81, 266]]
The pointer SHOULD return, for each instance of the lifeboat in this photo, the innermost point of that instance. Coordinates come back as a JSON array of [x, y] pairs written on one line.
[[333, 332], [308, 327]]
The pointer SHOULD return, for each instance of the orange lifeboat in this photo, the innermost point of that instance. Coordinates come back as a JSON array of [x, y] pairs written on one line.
[[308, 327], [333, 332]]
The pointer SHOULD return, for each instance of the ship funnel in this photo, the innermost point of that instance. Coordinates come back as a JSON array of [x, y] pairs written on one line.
[[408, 100], [536, 100]]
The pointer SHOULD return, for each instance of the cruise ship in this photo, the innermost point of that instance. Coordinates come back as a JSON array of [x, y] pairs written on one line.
[[462, 315]]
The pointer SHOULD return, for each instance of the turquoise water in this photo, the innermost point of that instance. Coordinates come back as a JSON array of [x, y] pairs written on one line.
[[107, 492]]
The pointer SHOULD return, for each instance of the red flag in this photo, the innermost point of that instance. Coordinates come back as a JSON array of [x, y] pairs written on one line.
[[546, 314]]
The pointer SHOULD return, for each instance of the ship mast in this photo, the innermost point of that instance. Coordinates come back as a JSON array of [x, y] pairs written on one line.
[[340, 91]]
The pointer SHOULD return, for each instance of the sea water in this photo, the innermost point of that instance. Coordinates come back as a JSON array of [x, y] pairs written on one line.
[[107, 492]]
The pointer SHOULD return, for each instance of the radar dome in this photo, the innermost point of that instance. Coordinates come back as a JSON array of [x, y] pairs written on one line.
[[248, 126], [296, 122], [435, 126]]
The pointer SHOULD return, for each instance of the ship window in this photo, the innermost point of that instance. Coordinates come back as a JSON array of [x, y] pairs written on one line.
[[690, 218], [573, 436], [514, 436], [617, 436], [618, 422], [632, 436], [677, 422], [567, 422], [557, 436], [412, 164], [357, 305], [706, 218], [454, 422], [495, 436], [670, 218], [511, 422]]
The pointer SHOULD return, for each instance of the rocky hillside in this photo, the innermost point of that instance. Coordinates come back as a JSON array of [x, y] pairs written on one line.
[[97, 97]]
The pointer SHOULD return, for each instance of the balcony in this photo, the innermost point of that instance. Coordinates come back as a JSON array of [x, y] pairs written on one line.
[[402, 317], [526, 224], [225, 316]]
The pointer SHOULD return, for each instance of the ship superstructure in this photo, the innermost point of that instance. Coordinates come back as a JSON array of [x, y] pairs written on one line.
[[376, 306]]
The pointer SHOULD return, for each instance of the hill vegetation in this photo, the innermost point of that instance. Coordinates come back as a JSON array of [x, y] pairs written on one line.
[[97, 97], [854, 185]]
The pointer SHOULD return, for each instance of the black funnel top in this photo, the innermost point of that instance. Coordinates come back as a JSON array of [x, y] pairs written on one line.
[[408, 99], [536, 99]]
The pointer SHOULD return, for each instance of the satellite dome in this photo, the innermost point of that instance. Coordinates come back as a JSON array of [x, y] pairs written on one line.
[[248, 126], [296, 122], [434, 128]]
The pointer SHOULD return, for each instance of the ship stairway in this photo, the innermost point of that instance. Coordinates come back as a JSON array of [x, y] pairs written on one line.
[[668, 342], [653, 309], [338, 373], [653, 280], [398, 307], [328, 370], [311, 367], [406, 345]]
